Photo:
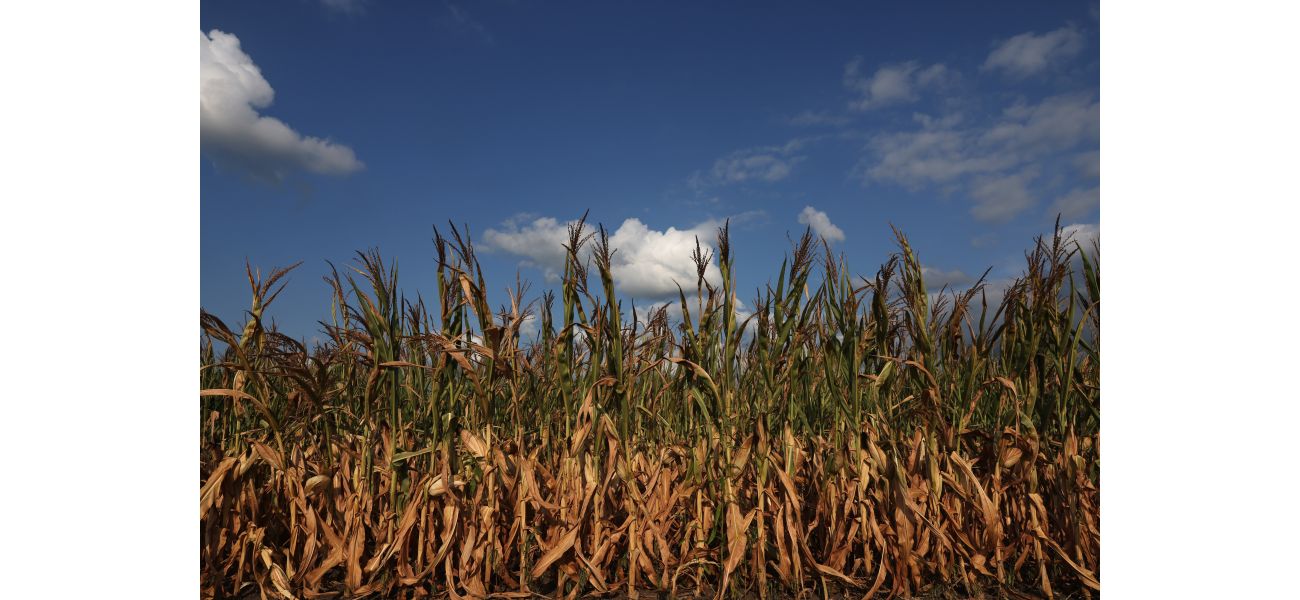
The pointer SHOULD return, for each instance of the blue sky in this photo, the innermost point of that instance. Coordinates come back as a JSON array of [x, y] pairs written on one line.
[[331, 126]]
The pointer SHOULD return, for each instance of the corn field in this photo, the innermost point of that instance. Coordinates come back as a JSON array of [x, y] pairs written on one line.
[[847, 436]]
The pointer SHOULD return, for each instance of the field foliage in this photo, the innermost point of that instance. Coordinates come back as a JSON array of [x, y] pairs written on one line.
[[843, 435]]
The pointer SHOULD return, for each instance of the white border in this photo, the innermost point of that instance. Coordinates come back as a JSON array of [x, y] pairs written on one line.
[[1199, 129], [99, 228], [99, 221]]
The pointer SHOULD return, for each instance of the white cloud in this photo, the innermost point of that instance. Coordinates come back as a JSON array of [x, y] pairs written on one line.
[[821, 224], [1084, 233], [529, 328], [233, 133], [651, 263], [1028, 54], [1076, 203], [673, 310], [647, 263], [541, 241], [1002, 198], [891, 84]]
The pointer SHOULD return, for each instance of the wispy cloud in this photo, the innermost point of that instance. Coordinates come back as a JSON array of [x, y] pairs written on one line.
[[984, 240], [753, 166], [821, 224], [938, 152], [937, 279], [458, 21], [892, 84], [765, 164], [1076, 203], [809, 118], [345, 6], [237, 137], [1029, 53], [1056, 123], [991, 156], [1089, 164], [1001, 198]]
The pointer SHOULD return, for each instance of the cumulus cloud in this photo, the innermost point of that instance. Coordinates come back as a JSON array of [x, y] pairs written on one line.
[[1084, 233], [673, 310], [990, 157], [1076, 203], [540, 241], [1028, 53], [529, 328], [821, 224], [891, 84], [647, 264], [652, 263], [236, 136]]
